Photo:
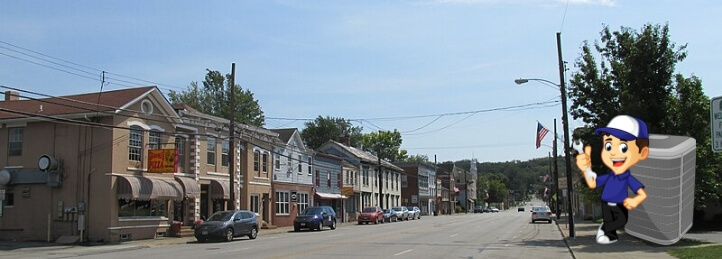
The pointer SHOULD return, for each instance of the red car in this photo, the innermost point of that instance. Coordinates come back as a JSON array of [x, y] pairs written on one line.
[[371, 214]]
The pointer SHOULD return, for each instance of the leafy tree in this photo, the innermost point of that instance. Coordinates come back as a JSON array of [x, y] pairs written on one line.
[[416, 159], [387, 144], [214, 99], [636, 76], [322, 129]]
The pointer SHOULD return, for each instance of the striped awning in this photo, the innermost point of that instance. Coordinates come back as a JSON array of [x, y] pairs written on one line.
[[219, 189], [134, 187], [191, 188]]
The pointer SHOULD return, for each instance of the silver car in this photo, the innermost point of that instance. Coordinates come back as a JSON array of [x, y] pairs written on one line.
[[541, 213], [414, 212], [402, 213]]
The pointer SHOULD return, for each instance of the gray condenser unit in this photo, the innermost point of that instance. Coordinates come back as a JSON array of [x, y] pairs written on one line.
[[668, 178]]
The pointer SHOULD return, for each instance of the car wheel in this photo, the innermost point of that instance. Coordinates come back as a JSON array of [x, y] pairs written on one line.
[[333, 225], [376, 221], [201, 240], [253, 234], [296, 229], [550, 221], [360, 222], [229, 235]]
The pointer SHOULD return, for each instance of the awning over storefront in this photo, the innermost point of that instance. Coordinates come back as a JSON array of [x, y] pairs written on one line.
[[219, 189], [133, 187], [191, 188], [330, 196]]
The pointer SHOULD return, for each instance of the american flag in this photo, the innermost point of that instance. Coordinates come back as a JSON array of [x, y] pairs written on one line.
[[541, 131]]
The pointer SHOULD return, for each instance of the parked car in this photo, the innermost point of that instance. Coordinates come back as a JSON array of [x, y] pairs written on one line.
[[414, 212], [315, 218], [390, 215], [493, 209], [371, 214], [402, 212], [479, 209], [228, 224], [520, 209], [541, 213]]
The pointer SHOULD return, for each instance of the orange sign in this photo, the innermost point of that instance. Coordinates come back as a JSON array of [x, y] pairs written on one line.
[[162, 161], [347, 191]]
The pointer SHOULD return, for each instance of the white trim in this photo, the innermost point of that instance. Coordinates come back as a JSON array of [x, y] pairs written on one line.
[[156, 127], [135, 100], [216, 136], [138, 123], [142, 226], [257, 183], [183, 126], [150, 104]]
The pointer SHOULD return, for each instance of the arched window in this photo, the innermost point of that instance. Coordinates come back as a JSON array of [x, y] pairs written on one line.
[[135, 144]]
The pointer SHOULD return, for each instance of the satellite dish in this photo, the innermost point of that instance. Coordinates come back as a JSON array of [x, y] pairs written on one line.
[[47, 163]]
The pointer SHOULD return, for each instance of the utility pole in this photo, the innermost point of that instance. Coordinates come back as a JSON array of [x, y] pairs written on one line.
[[556, 172], [231, 141], [565, 120], [466, 194]]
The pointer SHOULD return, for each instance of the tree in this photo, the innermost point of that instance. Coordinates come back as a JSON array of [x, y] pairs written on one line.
[[416, 159], [214, 99], [323, 129], [636, 76], [386, 144]]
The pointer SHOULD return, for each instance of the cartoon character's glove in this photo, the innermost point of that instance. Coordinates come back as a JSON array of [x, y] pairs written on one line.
[[579, 147]]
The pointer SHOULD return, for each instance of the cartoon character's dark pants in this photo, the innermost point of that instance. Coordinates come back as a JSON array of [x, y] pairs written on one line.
[[610, 223]]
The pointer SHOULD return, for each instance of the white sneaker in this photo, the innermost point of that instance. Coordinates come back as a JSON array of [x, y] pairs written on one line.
[[604, 240], [600, 232]]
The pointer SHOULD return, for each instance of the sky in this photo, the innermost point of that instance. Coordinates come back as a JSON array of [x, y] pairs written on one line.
[[439, 71]]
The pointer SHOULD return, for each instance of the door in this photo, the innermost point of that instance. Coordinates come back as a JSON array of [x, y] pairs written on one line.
[[239, 227]]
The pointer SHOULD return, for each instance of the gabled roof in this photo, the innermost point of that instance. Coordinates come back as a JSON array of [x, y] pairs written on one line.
[[362, 155], [285, 134], [105, 102]]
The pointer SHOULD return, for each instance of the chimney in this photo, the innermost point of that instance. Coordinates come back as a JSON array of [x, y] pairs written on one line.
[[346, 140], [12, 96]]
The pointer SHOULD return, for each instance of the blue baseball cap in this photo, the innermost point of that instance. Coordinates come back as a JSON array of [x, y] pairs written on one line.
[[625, 127]]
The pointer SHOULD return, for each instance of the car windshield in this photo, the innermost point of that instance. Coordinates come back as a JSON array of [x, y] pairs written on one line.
[[397, 208], [221, 216], [312, 211], [387, 211], [371, 209]]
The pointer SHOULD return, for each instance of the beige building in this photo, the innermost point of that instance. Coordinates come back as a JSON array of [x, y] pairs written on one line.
[[98, 180]]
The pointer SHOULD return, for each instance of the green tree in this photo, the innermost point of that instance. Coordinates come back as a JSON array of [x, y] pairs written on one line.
[[323, 129], [214, 99], [636, 76], [416, 159], [387, 144]]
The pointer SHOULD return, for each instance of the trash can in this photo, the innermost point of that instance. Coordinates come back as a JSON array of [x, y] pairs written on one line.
[[175, 229]]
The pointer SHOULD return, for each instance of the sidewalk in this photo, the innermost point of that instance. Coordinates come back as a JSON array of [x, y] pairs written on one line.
[[584, 244], [13, 248]]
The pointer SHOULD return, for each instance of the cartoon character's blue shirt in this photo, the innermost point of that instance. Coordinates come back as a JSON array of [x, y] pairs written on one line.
[[615, 186]]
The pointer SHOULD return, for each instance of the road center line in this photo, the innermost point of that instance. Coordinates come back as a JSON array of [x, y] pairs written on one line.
[[403, 252], [454, 235]]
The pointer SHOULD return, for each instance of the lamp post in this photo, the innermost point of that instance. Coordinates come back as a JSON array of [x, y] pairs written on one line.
[[567, 158]]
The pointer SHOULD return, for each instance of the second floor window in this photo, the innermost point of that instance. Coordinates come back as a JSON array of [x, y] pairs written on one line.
[[135, 144], [257, 162], [154, 140], [264, 166], [180, 145], [15, 141], [277, 161], [225, 148], [211, 153], [300, 164]]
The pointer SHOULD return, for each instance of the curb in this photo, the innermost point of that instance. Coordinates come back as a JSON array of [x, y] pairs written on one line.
[[564, 237]]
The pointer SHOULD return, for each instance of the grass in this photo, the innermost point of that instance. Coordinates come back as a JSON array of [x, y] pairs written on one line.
[[712, 251]]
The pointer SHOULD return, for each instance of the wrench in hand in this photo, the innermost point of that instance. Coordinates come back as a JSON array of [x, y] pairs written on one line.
[[579, 147]]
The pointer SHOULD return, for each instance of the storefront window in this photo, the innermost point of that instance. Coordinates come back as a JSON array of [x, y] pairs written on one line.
[[135, 208]]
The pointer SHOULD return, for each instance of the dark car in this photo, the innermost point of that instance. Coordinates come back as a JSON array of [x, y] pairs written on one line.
[[315, 218], [371, 214], [479, 209], [228, 224]]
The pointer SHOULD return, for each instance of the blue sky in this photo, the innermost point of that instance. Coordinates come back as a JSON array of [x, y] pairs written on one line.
[[440, 71]]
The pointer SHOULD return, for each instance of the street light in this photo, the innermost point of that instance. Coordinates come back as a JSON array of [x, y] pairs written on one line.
[[567, 158]]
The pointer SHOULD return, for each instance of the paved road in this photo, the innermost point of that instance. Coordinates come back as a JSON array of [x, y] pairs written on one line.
[[491, 235]]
